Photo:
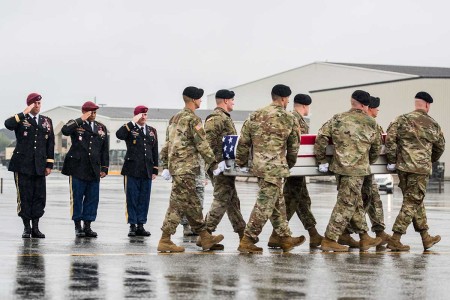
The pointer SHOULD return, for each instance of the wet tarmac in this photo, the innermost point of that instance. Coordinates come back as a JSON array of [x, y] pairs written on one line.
[[114, 266]]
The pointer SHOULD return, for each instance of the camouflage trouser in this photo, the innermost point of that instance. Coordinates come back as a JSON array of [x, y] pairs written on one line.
[[372, 204], [349, 210], [297, 200], [200, 190], [183, 201], [225, 200], [413, 187], [269, 205]]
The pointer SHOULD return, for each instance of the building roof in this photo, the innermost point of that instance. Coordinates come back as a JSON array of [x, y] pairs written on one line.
[[158, 113], [427, 72]]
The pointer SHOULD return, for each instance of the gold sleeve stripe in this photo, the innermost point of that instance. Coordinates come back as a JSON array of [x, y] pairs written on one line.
[[51, 160], [126, 125], [17, 118]]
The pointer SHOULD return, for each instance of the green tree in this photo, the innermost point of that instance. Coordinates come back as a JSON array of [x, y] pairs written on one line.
[[4, 141]]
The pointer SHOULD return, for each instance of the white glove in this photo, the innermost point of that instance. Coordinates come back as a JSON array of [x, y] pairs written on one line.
[[242, 169], [323, 168], [166, 175], [222, 166], [391, 167]]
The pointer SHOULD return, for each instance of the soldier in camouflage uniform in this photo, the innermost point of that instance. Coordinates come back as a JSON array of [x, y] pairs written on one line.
[[185, 140], [295, 192], [370, 195], [414, 141], [217, 125], [273, 137], [356, 145]]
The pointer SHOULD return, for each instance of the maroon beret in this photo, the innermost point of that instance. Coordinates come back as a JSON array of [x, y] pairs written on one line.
[[141, 109], [89, 106], [32, 98]]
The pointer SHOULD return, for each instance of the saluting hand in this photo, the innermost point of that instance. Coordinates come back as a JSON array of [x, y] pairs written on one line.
[[137, 117], [86, 115], [28, 109]]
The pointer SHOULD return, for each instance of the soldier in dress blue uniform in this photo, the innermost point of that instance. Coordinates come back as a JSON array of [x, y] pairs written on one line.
[[86, 162], [31, 161], [139, 169]]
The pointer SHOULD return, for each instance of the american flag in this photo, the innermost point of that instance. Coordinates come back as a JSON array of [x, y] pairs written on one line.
[[229, 143]]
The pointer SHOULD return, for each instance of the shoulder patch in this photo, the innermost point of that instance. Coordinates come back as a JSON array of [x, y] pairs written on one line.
[[198, 126]]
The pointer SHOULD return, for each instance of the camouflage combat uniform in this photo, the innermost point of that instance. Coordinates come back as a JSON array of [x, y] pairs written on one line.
[[372, 201], [295, 192], [217, 125], [185, 140], [356, 146], [273, 136], [199, 187], [413, 142]]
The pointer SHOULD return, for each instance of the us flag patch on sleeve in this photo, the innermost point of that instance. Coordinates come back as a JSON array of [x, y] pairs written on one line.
[[198, 127]]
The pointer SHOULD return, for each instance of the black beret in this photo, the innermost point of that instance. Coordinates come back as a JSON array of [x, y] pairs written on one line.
[[424, 96], [281, 90], [374, 102], [362, 97], [193, 92], [302, 99], [224, 94]]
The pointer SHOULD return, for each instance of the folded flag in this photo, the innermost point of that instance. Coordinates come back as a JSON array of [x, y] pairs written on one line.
[[229, 143]]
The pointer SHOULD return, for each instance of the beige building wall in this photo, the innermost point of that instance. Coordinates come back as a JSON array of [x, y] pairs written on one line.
[[396, 98], [315, 76]]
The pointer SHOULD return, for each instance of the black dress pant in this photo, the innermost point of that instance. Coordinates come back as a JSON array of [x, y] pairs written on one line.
[[31, 195]]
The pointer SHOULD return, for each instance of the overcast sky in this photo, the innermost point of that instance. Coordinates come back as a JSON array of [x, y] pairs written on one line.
[[132, 52]]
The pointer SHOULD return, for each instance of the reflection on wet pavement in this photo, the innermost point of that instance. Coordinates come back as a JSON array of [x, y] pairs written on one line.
[[114, 266], [30, 272]]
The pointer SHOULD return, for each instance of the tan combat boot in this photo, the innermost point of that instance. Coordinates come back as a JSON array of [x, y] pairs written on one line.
[[287, 243], [428, 241], [330, 245], [246, 245], [347, 240], [214, 247], [314, 237], [208, 240], [166, 245], [384, 237], [366, 242], [274, 240], [394, 243]]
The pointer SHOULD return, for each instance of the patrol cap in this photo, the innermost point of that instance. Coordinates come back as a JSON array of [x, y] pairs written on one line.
[[193, 92], [374, 102], [33, 97], [141, 109], [302, 99], [424, 96], [89, 106], [281, 90], [224, 94], [362, 97]]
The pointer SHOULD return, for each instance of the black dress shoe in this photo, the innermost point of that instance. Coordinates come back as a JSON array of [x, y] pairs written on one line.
[[35, 232], [140, 231], [88, 231], [79, 232], [26, 233], [132, 231]]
